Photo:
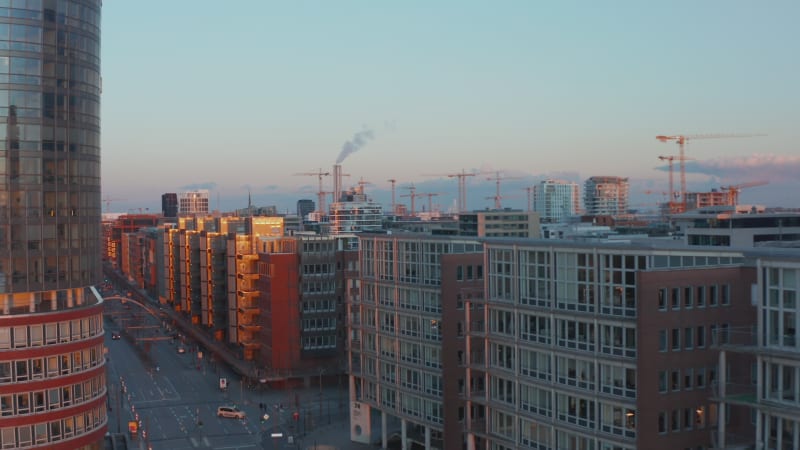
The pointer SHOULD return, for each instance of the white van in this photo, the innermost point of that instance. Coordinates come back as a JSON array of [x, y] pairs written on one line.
[[230, 411]]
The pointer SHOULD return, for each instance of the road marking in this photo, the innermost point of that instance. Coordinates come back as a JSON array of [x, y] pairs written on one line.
[[194, 442]]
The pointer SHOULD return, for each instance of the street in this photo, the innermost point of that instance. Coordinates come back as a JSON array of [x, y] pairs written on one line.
[[174, 396]]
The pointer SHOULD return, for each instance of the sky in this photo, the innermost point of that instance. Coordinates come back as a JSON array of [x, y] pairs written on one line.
[[240, 97]]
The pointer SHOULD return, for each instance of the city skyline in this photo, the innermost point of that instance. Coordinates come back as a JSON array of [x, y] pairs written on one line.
[[569, 90]]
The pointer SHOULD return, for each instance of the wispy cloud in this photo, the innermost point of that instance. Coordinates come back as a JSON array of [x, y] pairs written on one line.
[[210, 185], [777, 168]]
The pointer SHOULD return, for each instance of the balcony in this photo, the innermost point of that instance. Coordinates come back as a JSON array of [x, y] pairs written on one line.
[[247, 276], [735, 393], [250, 327], [247, 257], [248, 295]]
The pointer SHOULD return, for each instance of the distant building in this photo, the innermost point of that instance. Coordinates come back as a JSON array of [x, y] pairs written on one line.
[[738, 226], [556, 200], [606, 196], [354, 213], [169, 205], [304, 207], [697, 200], [499, 223], [193, 202]]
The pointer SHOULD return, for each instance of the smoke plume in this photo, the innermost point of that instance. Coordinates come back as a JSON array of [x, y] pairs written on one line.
[[359, 140]]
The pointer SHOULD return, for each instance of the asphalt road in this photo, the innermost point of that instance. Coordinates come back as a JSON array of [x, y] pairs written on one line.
[[174, 397]]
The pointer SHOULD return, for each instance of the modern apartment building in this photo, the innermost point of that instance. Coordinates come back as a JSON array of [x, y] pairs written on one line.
[[544, 344], [52, 367], [556, 200], [499, 223], [773, 398], [395, 343], [606, 196]]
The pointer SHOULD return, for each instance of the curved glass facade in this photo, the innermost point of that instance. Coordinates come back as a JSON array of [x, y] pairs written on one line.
[[50, 153], [52, 371]]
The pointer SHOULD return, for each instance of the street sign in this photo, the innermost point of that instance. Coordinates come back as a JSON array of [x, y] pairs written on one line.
[[223, 383]]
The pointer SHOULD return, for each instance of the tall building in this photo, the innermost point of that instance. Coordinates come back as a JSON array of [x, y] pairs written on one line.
[[606, 196], [193, 202], [305, 206], [556, 200], [169, 205], [52, 366]]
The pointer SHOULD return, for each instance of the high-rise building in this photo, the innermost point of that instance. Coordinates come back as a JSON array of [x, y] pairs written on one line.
[[193, 202], [556, 200], [169, 204], [606, 196], [305, 206], [52, 366]]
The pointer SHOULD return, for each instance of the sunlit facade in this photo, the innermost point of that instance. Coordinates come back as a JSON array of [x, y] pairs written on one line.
[[52, 374]]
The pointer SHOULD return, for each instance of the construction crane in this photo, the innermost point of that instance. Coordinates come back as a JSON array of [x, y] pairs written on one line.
[[321, 193], [733, 190], [108, 201], [430, 196], [497, 197], [681, 141], [530, 190], [412, 194], [462, 185], [671, 203]]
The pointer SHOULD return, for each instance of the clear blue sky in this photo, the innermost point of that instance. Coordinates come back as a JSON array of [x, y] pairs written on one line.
[[243, 94]]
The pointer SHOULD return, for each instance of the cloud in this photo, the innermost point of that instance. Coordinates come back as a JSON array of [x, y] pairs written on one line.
[[776, 168], [210, 185]]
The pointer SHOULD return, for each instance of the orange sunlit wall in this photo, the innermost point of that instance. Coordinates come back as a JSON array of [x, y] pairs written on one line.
[[281, 324]]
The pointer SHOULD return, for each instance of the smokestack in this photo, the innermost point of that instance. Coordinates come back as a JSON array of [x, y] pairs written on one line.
[[337, 182]]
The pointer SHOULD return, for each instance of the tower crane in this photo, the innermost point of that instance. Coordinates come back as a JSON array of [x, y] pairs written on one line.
[[430, 196], [497, 197], [321, 193], [671, 203], [733, 190], [412, 194], [108, 201], [530, 190], [681, 141], [462, 185]]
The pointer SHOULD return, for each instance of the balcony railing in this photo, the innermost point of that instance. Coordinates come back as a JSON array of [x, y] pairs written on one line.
[[737, 393]]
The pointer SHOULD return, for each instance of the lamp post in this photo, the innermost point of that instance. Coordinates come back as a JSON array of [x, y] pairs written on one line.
[[321, 371]]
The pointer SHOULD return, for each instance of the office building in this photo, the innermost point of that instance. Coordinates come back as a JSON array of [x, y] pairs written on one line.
[[193, 202], [739, 226], [52, 366], [606, 196], [544, 344], [305, 207], [499, 223], [556, 200], [169, 205]]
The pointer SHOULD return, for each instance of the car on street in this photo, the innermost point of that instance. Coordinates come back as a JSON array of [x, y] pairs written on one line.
[[181, 350], [231, 412], [115, 336]]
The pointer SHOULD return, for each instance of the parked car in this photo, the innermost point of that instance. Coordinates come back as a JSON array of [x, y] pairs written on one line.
[[231, 412]]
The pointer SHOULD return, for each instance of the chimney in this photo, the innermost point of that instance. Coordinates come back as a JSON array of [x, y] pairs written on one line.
[[337, 182]]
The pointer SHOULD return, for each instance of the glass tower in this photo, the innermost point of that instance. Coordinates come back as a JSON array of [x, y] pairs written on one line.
[[52, 373]]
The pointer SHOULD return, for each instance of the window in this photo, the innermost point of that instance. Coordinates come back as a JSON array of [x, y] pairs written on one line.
[[662, 299], [662, 340], [675, 420], [700, 378], [675, 298], [701, 296], [688, 338], [687, 378], [662, 381], [688, 419], [688, 297], [713, 295], [725, 295], [662, 422], [701, 336], [676, 339], [675, 379]]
